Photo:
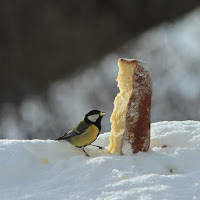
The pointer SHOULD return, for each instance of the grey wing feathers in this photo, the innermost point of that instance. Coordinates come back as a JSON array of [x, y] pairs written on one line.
[[69, 134]]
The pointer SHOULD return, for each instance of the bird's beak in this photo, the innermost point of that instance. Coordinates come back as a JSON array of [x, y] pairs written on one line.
[[102, 113]]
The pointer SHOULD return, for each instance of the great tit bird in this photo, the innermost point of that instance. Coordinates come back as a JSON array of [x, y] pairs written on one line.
[[86, 131]]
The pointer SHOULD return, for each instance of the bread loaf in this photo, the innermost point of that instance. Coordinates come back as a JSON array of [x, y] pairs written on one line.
[[130, 120]]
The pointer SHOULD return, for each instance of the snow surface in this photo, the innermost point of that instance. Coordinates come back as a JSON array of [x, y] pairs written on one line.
[[47, 169]]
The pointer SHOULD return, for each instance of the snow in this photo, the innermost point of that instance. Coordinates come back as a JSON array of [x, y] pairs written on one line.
[[47, 169]]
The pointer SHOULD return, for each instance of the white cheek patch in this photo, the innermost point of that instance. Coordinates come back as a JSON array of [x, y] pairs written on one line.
[[93, 118]]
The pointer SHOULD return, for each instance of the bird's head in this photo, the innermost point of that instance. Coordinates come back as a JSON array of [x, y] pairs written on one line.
[[94, 116]]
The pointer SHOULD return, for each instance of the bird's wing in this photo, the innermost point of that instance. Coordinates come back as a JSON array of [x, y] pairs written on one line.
[[69, 134], [77, 130]]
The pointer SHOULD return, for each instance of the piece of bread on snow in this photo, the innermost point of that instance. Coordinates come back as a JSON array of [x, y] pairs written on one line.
[[130, 120]]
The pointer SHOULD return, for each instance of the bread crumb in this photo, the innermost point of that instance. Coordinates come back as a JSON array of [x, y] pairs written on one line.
[[45, 160], [164, 146]]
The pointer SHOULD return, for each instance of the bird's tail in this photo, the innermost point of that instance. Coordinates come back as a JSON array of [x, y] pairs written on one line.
[[61, 137]]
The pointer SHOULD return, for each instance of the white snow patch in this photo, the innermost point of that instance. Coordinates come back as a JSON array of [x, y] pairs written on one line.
[[126, 149], [47, 169]]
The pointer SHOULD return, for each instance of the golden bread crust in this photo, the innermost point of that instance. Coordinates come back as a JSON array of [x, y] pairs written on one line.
[[130, 120], [138, 115]]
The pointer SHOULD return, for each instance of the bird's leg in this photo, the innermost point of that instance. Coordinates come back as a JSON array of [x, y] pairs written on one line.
[[85, 152], [97, 146]]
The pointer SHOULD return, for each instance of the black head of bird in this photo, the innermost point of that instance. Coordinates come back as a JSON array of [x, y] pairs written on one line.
[[94, 117]]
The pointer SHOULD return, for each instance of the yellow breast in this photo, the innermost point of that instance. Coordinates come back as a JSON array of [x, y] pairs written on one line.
[[86, 138]]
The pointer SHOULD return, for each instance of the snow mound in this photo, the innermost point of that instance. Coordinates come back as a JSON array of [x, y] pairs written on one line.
[[47, 169]]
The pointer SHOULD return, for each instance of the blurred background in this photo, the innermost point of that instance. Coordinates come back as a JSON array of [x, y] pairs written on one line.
[[58, 60]]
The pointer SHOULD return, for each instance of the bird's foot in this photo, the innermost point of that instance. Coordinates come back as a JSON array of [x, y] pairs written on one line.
[[97, 146], [85, 152]]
